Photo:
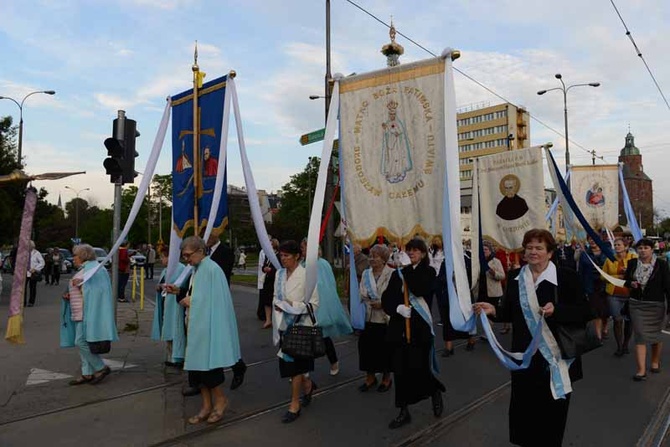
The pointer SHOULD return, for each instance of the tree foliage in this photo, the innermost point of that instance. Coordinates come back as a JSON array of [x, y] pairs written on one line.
[[11, 194]]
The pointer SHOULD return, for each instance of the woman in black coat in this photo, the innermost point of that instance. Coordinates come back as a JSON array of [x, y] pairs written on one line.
[[648, 279], [536, 418], [411, 361]]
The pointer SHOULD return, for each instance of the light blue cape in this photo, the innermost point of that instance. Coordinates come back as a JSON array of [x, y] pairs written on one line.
[[330, 314], [212, 339], [168, 324], [99, 324]]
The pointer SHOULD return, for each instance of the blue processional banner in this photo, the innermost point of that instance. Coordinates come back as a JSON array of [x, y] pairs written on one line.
[[210, 106]]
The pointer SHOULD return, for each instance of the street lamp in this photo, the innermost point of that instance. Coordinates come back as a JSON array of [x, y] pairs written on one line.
[[20, 105], [565, 90], [76, 209]]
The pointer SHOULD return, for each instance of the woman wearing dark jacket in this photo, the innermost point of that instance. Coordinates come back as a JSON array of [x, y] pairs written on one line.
[[648, 279], [536, 416], [412, 362]]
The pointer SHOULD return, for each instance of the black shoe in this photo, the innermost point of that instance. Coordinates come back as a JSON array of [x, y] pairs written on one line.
[[403, 418], [122, 300], [30, 305], [384, 387], [239, 369], [655, 370], [438, 404], [640, 378], [618, 353], [470, 347], [307, 398], [625, 350], [290, 416], [179, 365], [447, 352], [189, 391], [367, 386]]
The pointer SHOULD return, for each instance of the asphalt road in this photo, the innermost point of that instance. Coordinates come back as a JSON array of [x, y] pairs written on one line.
[[140, 403]]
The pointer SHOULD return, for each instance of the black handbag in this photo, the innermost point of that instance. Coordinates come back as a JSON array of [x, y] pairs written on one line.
[[304, 342], [575, 339], [38, 276], [100, 347]]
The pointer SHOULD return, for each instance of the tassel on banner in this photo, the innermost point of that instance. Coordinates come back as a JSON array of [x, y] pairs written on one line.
[[14, 333]]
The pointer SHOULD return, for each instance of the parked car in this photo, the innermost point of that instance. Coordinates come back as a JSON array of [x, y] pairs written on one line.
[[7, 266], [68, 263], [137, 259], [101, 254]]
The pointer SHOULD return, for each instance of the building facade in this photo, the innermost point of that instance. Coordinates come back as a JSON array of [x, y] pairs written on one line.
[[639, 185], [485, 130]]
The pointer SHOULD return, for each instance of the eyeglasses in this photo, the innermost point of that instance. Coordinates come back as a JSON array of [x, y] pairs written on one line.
[[186, 255]]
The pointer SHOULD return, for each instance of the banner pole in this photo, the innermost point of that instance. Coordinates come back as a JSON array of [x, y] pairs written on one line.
[[196, 140]]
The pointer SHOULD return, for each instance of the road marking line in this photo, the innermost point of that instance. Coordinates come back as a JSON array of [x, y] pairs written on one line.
[[666, 332], [38, 376], [117, 364]]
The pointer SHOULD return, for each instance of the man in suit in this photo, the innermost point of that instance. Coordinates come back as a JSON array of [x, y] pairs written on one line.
[[223, 255]]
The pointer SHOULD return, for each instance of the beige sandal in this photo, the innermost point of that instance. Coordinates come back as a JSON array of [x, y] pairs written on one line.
[[198, 418]]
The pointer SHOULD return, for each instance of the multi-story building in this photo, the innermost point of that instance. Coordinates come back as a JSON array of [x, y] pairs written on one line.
[[486, 130], [639, 185]]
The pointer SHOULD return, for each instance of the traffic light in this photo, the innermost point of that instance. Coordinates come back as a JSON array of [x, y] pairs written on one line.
[[130, 130], [114, 165]]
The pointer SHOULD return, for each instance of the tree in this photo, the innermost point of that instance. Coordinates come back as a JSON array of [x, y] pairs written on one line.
[[292, 220], [11, 194], [138, 232]]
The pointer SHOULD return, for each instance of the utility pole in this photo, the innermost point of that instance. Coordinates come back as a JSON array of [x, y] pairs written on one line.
[[329, 237], [116, 230]]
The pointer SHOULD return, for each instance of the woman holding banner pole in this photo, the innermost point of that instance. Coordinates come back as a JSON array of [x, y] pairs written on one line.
[[617, 297], [541, 393], [410, 335]]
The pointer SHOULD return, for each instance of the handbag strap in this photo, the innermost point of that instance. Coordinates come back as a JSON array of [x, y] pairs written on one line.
[[310, 312]]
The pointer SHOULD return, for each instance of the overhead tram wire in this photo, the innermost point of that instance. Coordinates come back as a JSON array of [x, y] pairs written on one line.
[[639, 54], [472, 79]]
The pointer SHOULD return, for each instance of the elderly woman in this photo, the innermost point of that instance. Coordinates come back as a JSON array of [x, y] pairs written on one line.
[[648, 278], [617, 297], [541, 393], [212, 341], [168, 323], [289, 309], [373, 354], [412, 354], [87, 315]]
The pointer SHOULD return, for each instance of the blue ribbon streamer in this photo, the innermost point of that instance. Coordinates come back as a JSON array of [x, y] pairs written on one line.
[[628, 209]]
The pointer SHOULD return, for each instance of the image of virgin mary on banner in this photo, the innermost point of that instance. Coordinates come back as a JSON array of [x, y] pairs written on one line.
[[511, 196], [596, 192], [392, 135], [185, 181]]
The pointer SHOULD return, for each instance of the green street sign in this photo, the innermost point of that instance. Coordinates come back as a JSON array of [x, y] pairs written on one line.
[[313, 137]]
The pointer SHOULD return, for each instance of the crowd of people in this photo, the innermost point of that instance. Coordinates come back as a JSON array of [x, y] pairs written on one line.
[[551, 282]]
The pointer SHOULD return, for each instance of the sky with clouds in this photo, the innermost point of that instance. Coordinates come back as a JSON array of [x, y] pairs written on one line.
[[101, 56]]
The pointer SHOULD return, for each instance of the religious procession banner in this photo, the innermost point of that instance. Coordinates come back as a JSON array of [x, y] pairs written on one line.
[[596, 192], [511, 196], [393, 156], [188, 183]]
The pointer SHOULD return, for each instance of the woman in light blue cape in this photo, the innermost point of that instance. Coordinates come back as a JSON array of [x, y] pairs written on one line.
[[212, 341], [87, 315], [168, 324], [330, 315]]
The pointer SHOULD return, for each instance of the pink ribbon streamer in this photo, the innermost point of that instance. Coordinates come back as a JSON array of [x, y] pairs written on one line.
[[23, 253]]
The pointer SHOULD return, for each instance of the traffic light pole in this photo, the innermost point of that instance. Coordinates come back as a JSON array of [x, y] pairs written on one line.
[[329, 236], [116, 230]]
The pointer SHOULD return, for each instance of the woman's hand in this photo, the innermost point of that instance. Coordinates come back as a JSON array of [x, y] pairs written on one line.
[[171, 288], [66, 296], [376, 304], [267, 269], [635, 284], [186, 302], [279, 309], [77, 282], [487, 308], [547, 310]]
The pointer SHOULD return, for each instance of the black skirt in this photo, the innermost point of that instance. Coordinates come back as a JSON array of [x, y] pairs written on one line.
[[414, 380], [535, 418], [373, 352], [208, 379], [448, 331], [295, 368]]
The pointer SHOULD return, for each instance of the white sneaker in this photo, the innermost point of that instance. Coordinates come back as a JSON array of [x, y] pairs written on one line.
[[335, 369]]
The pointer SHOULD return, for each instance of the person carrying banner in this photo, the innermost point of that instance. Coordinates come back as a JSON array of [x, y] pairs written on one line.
[[413, 359], [541, 393], [373, 355], [212, 341], [648, 278], [617, 297], [290, 308]]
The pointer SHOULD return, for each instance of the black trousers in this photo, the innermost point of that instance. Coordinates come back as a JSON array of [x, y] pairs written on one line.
[[30, 291], [330, 350], [55, 276], [149, 272], [123, 281]]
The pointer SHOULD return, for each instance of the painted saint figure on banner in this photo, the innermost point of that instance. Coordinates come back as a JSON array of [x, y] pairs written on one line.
[[595, 197], [210, 164], [396, 155], [183, 162], [511, 207]]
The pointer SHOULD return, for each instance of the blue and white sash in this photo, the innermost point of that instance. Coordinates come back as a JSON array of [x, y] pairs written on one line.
[[419, 304], [510, 359], [371, 284], [279, 317], [558, 367]]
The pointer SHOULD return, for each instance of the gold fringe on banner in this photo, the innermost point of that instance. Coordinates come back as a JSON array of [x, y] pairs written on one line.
[[14, 332]]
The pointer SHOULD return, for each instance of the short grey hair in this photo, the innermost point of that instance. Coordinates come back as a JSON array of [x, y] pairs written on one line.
[[194, 243], [381, 250], [85, 252]]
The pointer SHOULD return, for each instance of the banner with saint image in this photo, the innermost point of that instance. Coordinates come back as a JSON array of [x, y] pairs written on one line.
[[596, 192], [511, 195], [393, 156]]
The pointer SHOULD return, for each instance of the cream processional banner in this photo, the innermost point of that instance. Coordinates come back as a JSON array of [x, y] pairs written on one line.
[[392, 135], [596, 192], [511, 195]]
